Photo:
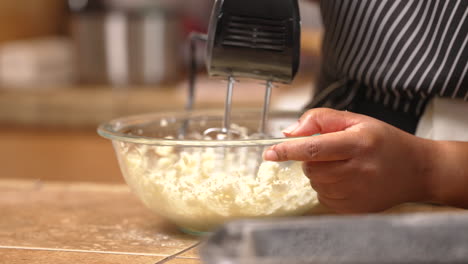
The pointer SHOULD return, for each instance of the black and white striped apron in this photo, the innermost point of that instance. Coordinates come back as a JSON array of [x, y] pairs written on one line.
[[387, 58]]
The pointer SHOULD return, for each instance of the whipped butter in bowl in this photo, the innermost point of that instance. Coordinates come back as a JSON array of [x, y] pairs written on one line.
[[199, 183]]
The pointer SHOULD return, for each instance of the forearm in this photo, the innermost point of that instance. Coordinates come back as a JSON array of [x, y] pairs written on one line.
[[448, 173]]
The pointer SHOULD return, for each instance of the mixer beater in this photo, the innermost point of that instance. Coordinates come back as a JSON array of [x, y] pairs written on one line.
[[254, 39]]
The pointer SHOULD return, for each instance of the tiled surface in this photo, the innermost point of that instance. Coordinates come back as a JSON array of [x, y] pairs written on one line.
[[184, 261], [12, 256], [34, 256], [92, 223], [15, 256], [87, 218], [193, 253]]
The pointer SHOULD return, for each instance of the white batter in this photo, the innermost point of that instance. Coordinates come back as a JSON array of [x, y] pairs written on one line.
[[201, 188]]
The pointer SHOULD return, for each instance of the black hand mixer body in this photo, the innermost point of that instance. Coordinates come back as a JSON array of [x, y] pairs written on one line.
[[257, 39]]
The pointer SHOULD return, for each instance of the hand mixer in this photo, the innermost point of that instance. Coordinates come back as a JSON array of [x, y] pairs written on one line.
[[255, 39]]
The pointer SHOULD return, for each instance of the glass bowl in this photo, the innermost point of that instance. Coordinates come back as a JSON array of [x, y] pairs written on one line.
[[198, 182]]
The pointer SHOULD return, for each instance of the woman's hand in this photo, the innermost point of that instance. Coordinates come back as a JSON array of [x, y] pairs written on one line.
[[358, 164]]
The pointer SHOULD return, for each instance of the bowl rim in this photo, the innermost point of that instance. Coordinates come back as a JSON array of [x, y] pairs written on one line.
[[108, 130]]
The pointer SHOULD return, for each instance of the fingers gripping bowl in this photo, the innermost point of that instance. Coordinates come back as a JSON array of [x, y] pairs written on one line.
[[199, 183]]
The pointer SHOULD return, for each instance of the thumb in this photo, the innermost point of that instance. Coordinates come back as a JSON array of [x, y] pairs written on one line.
[[322, 121]]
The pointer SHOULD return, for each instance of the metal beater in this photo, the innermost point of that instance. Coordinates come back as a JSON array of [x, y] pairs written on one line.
[[255, 39]]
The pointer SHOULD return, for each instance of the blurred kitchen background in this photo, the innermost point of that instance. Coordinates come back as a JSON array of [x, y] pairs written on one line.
[[66, 66]]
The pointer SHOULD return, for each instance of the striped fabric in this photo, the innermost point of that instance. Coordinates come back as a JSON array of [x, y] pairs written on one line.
[[401, 52]]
